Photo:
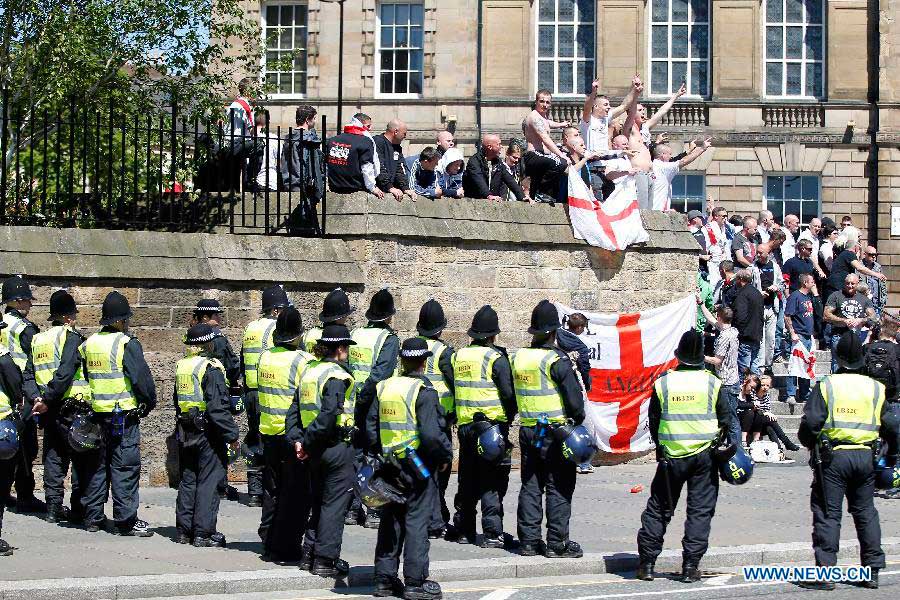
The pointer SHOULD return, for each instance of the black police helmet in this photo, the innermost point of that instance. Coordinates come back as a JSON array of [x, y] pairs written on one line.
[[115, 308], [336, 335], [414, 348], [200, 334], [485, 324], [62, 304], [544, 318], [84, 434], [849, 353], [288, 327], [274, 297], [208, 306], [690, 349], [336, 306], [16, 288], [381, 307], [431, 319], [9, 439]]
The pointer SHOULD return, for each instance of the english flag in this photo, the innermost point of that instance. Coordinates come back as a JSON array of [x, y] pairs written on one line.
[[628, 353], [613, 224], [802, 363]]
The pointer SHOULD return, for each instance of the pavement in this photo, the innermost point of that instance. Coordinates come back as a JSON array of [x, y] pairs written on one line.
[[766, 521]]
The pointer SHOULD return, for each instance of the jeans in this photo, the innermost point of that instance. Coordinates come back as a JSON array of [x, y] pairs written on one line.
[[767, 344], [835, 338], [731, 393], [748, 358], [791, 382], [782, 337]]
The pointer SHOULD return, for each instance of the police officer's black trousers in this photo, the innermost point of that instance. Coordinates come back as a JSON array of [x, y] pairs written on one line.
[[890, 426], [440, 514], [478, 481], [551, 479], [197, 505], [331, 481], [285, 508], [28, 444], [254, 476], [7, 475], [405, 528], [700, 474], [357, 509], [57, 458], [849, 474]]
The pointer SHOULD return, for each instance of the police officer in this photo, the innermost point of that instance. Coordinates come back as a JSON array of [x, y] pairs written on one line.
[[257, 339], [320, 424], [548, 395], [10, 388], [53, 380], [843, 417], [285, 505], [16, 338], [402, 425], [205, 427], [335, 310], [686, 413], [439, 371], [122, 392], [372, 360], [483, 388]]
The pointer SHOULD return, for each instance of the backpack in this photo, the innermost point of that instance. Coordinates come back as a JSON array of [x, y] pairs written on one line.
[[881, 365]]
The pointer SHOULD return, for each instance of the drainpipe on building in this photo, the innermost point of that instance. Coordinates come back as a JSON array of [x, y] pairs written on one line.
[[478, 70], [874, 51]]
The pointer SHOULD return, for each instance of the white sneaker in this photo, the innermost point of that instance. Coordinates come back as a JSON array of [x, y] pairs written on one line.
[[791, 400]]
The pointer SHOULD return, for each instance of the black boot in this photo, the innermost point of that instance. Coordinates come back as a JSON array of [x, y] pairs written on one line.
[[388, 587], [872, 582], [57, 513], [327, 567], [428, 590], [568, 549], [306, 561], [690, 573], [645, 571]]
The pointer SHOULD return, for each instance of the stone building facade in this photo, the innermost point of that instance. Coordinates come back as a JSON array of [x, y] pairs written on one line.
[[793, 92]]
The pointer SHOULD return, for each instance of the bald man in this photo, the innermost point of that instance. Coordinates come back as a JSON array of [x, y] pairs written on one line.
[[393, 177], [485, 174], [444, 141]]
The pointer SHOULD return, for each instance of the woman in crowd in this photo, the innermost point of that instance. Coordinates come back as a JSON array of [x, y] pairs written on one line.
[[772, 427], [753, 423]]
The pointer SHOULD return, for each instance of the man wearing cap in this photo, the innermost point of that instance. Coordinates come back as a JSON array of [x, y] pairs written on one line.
[[483, 388], [403, 427], [335, 311], [257, 339], [683, 426], [843, 416], [372, 360], [205, 428], [548, 395], [10, 388], [285, 505], [321, 428], [16, 338], [122, 392], [53, 381], [439, 372]]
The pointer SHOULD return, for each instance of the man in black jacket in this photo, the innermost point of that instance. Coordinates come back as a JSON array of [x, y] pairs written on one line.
[[352, 160], [392, 177], [485, 175], [748, 319]]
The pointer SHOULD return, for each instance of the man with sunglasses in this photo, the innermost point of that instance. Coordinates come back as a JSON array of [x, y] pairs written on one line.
[[717, 244], [877, 287]]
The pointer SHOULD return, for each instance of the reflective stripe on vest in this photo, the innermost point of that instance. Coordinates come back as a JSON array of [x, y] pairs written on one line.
[[369, 341], [434, 375], [46, 354], [257, 339], [536, 393], [397, 427], [475, 390], [10, 338], [189, 372], [688, 424], [103, 354], [279, 376], [311, 337], [854, 408], [312, 386]]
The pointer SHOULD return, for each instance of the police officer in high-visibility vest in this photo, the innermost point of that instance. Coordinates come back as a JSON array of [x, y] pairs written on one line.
[[257, 339], [16, 338], [372, 360], [439, 371], [335, 311], [205, 428], [403, 427], [54, 380], [320, 424], [10, 388], [483, 390], [843, 417], [285, 506], [686, 413], [122, 392], [548, 395]]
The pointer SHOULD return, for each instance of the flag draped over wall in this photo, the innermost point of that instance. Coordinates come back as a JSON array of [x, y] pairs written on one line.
[[613, 224]]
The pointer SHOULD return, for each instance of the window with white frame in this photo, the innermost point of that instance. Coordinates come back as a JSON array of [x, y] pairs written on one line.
[[679, 47], [795, 48], [565, 40], [285, 34], [400, 47], [793, 195], [689, 192]]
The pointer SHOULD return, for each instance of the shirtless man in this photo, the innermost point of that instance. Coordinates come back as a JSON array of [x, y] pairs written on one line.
[[544, 161]]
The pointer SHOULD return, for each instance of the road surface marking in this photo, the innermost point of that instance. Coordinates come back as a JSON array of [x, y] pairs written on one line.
[[501, 594]]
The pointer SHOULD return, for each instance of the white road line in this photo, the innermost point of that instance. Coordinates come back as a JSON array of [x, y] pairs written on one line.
[[501, 594], [718, 580]]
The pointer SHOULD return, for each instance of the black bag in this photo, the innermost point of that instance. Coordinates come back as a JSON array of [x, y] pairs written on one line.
[[173, 462], [881, 365]]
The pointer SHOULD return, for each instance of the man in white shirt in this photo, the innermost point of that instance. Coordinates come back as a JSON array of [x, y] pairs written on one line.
[[791, 230], [717, 243], [812, 235], [766, 223], [594, 128], [663, 172]]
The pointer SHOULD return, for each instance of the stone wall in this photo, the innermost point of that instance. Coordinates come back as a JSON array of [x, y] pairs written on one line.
[[464, 254]]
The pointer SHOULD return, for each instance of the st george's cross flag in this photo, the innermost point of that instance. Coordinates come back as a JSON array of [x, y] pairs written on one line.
[[802, 363], [628, 354], [613, 224]]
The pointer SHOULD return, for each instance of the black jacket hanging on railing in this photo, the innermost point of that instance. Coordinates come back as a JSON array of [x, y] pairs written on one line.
[[308, 175]]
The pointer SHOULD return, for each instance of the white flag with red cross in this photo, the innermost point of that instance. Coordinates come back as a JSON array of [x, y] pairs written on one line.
[[802, 363], [628, 354], [613, 224]]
